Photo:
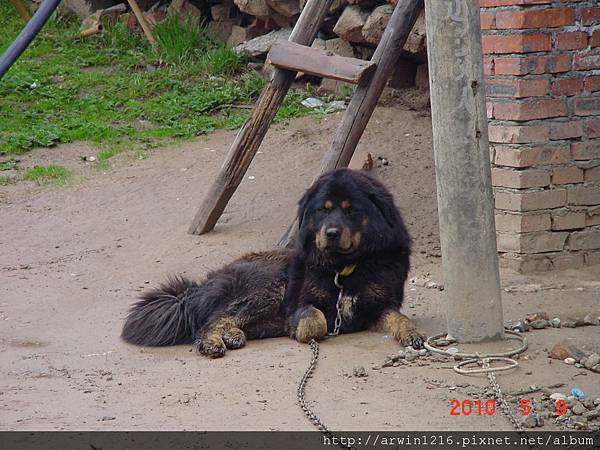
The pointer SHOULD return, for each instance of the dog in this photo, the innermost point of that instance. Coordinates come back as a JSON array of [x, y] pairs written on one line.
[[348, 228]]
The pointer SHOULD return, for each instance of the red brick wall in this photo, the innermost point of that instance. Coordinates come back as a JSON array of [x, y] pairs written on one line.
[[542, 64]]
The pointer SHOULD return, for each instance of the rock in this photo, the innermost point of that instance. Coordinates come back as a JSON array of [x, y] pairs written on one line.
[[564, 349], [220, 31], [401, 354], [416, 44], [185, 11], [339, 47], [519, 326], [578, 409], [558, 396], [376, 23], [569, 323], [376, 367], [592, 360], [589, 319], [569, 361], [287, 8], [253, 7], [237, 36], [537, 316], [555, 322], [596, 368], [221, 12], [350, 24], [532, 421], [261, 45], [539, 324], [360, 372], [411, 356], [422, 352]]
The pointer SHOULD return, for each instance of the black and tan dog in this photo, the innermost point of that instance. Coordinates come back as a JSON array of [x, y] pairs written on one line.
[[348, 224]]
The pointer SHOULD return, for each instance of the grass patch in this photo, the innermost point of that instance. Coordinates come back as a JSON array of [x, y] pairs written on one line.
[[51, 174], [98, 89], [5, 181]]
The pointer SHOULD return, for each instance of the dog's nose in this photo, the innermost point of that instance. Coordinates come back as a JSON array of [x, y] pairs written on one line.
[[332, 233]]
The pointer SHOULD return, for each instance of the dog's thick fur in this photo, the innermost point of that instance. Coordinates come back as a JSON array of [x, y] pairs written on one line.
[[346, 218]]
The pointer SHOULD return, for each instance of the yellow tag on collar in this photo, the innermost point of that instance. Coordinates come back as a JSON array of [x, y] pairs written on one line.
[[346, 271]]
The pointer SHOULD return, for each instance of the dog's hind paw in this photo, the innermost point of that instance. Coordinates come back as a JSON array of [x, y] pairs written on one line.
[[234, 338], [414, 339], [211, 346]]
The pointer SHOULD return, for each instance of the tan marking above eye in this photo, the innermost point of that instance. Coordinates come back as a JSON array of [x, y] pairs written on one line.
[[328, 204], [346, 204]]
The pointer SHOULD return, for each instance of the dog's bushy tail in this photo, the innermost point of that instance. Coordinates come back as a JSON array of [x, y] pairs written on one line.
[[163, 316]]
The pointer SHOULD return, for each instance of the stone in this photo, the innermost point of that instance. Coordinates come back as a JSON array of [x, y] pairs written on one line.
[[261, 45], [416, 43], [519, 326], [590, 319], [339, 47], [540, 315], [596, 368], [376, 367], [592, 360], [220, 31], [411, 356], [287, 8], [221, 12], [532, 421], [360, 372], [564, 349], [555, 322], [569, 361], [558, 396], [185, 11], [569, 323], [539, 324], [578, 409], [350, 24], [253, 7], [376, 23]]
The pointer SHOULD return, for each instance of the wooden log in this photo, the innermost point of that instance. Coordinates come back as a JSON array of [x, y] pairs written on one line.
[[463, 173], [254, 130], [315, 61], [367, 94], [146, 27], [22, 10]]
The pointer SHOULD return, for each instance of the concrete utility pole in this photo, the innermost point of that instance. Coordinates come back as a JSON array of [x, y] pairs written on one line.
[[462, 163]]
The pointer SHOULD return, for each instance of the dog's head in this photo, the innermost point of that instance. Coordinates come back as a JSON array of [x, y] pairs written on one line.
[[345, 215]]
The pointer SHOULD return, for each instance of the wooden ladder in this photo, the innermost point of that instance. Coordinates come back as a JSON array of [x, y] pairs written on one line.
[[289, 58]]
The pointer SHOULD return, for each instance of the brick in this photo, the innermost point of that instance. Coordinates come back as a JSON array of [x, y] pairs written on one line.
[[567, 86], [526, 263], [537, 18], [531, 201], [585, 150], [495, 3], [488, 66], [591, 128], [488, 20], [595, 39], [568, 220], [568, 261], [520, 178], [587, 60], [520, 43], [585, 106], [584, 195], [575, 40], [590, 16], [515, 134], [592, 174], [567, 175], [592, 258], [591, 83], [566, 130], [584, 240], [516, 88], [522, 223], [592, 218], [531, 110], [535, 65], [522, 157], [536, 242]]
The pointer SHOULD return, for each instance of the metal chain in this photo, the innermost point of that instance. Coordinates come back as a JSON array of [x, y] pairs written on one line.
[[500, 396]]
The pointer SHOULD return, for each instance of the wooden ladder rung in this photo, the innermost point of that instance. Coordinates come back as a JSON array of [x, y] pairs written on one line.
[[322, 63]]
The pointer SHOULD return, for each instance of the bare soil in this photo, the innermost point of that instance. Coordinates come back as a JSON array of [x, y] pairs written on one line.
[[73, 258]]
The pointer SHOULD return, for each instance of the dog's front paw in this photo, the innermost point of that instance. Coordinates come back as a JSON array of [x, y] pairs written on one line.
[[311, 324], [211, 346], [413, 338]]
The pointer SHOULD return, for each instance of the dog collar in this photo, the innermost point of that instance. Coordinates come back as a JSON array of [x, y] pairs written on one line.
[[347, 271]]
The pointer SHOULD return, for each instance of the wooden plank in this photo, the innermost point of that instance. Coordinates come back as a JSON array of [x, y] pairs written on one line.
[[252, 133], [367, 94], [139, 15], [22, 10], [322, 63]]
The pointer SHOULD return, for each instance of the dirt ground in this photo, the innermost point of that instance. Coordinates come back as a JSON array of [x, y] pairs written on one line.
[[73, 258]]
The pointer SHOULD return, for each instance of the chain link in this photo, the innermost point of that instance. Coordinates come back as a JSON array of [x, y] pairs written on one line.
[[500, 396]]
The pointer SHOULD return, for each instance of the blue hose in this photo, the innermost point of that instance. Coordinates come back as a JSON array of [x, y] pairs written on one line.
[[30, 31]]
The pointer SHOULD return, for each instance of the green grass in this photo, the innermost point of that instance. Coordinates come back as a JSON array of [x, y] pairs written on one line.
[[51, 174], [99, 89]]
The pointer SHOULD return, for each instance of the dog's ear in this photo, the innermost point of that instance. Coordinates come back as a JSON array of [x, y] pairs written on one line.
[[305, 231], [384, 202]]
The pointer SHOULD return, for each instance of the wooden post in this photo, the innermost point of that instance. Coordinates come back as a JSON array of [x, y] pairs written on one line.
[[254, 130], [367, 94], [22, 10], [139, 15], [462, 163]]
